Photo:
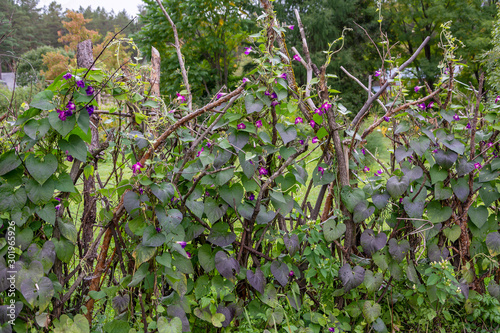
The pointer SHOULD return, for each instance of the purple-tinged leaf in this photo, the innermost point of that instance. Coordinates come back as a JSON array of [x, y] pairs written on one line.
[[120, 303], [437, 254], [221, 235], [372, 243], [398, 251], [493, 242], [351, 278], [280, 271], [257, 280], [226, 265], [291, 243]]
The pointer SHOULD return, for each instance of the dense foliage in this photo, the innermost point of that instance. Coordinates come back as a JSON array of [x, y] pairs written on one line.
[[261, 210]]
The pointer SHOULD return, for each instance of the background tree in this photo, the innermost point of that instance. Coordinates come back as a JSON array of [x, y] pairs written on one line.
[[77, 32]]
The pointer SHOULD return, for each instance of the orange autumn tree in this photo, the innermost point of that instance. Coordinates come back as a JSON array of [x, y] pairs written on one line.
[[77, 32]]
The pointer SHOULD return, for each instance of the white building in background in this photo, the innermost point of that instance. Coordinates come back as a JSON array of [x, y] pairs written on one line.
[[7, 79]]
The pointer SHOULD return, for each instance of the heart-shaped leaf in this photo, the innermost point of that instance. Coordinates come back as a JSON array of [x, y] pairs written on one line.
[[372, 243], [437, 213], [131, 201], [488, 194], [9, 161], [396, 187], [372, 281], [163, 191], [248, 166], [493, 242], [437, 254], [270, 296], [264, 217], [74, 147], [398, 251], [362, 211], [460, 187], [494, 289], [291, 243], [63, 127], [221, 235], [39, 194], [120, 303], [151, 237], [413, 209], [214, 210], [351, 278], [174, 326], [38, 292], [380, 199], [36, 129], [252, 104], [351, 197], [413, 174], [464, 167], [41, 170], [287, 134], [371, 311], [452, 233], [47, 213], [421, 145], [445, 158], [437, 174], [441, 192], [401, 153], [226, 265], [257, 279], [455, 145], [232, 194], [43, 100], [238, 139], [333, 231], [478, 215], [206, 258], [280, 272]]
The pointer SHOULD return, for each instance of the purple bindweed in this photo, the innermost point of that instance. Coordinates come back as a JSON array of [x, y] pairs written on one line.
[[158, 229], [274, 103], [89, 91], [468, 126], [301, 142], [312, 123], [267, 93], [422, 106], [315, 139], [258, 123], [262, 171], [90, 109], [387, 119], [431, 104], [435, 151], [366, 169], [241, 126], [377, 73], [291, 274], [188, 254], [141, 191], [80, 84], [283, 76], [279, 157], [71, 106], [62, 114], [274, 95], [379, 171], [67, 76], [248, 50], [417, 88], [291, 27], [298, 120], [208, 144], [136, 168], [57, 207], [327, 106], [321, 170], [363, 151], [181, 98], [297, 57], [245, 80], [182, 244], [69, 158], [477, 166], [331, 329], [497, 99], [251, 197], [199, 153], [456, 117]]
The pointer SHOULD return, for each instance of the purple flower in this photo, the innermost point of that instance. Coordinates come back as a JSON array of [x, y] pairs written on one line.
[[279, 157], [312, 123], [258, 123], [267, 93], [456, 117], [322, 170], [158, 229], [387, 119], [67, 76], [400, 200], [417, 88], [80, 84], [69, 158], [489, 144], [274, 95], [181, 98], [363, 151], [379, 171], [199, 153], [468, 126], [435, 151], [188, 255], [248, 50], [331, 329], [262, 171], [62, 114], [58, 199], [477, 165], [301, 142], [291, 27], [431, 104], [89, 90], [298, 120], [241, 126], [497, 99], [274, 103], [245, 80], [136, 168], [297, 57], [283, 76], [182, 244], [90, 109], [58, 206], [315, 139], [141, 191], [71, 106], [251, 197], [377, 73], [366, 169], [291, 274], [318, 112], [422, 106], [219, 95], [327, 106]]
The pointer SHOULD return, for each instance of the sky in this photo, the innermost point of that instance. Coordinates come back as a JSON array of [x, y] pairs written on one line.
[[117, 5]]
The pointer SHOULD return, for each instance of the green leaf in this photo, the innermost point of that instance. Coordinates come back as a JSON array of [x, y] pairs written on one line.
[[214, 210], [8, 162], [351, 197], [153, 238], [252, 104], [437, 174], [40, 194], [437, 213], [488, 194], [83, 121], [13, 199], [64, 183], [373, 282], [397, 187], [36, 129], [441, 192], [143, 253], [478, 215], [321, 133], [421, 145], [68, 230], [38, 292], [452, 233], [206, 258], [270, 296], [64, 249], [223, 177], [139, 275], [288, 134], [40, 169], [460, 187], [75, 147], [47, 213], [371, 311], [43, 100], [402, 127], [232, 194], [493, 242], [63, 127]]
